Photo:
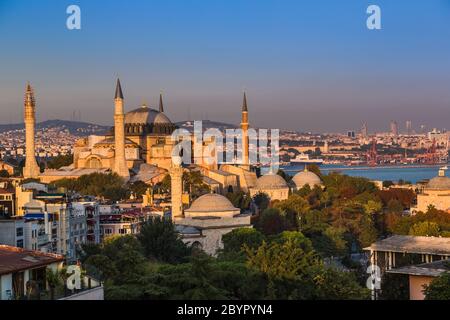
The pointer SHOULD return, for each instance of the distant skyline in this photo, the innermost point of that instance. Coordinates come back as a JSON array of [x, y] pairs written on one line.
[[306, 65]]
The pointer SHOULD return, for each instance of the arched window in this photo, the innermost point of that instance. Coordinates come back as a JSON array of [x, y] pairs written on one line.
[[197, 245], [94, 163]]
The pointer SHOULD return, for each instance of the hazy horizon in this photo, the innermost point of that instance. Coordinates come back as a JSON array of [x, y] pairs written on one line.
[[306, 65]]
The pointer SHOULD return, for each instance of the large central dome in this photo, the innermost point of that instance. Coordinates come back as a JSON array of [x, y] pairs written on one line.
[[146, 120], [144, 115]]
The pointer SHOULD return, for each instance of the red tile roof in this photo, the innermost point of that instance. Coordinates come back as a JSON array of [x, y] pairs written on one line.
[[13, 259]]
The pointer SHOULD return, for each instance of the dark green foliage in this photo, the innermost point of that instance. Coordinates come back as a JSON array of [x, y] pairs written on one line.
[[439, 288], [119, 260], [192, 183], [432, 223], [395, 287], [138, 188], [60, 161], [239, 199], [234, 241], [271, 222], [262, 201], [284, 175], [108, 186], [161, 242]]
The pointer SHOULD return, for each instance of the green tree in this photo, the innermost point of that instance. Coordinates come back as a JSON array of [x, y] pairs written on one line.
[[239, 199], [194, 184], [372, 207], [54, 281], [295, 206], [284, 175], [234, 241], [261, 200], [282, 259], [161, 242], [138, 188], [332, 284], [439, 288], [108, 186], [426, 229], [271, 222], [60, 161], [126, 253]]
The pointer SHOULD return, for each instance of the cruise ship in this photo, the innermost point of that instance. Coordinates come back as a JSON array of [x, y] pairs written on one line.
[[305, 159]]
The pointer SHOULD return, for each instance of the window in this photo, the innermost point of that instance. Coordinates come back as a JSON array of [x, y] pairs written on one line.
[[19, 244], [19, 232]]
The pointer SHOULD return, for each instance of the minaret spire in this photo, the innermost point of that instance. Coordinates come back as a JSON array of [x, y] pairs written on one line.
[[244, 104], [161, 104], [31, 169], [120, 163], [245, 139], [119, 94]]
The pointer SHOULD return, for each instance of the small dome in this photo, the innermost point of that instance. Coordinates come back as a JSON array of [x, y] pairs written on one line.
[[146, 115], [211, 203], [304, 178], [271, 181], [439, 183]]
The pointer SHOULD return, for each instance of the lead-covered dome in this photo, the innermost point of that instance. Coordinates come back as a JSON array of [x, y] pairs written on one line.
[[271, 181], [146, 120], [212, 203], [439, 183], [304, 178]]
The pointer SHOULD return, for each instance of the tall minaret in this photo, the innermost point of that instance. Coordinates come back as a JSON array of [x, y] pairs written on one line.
[[176, 178], [31, 169], [244, 127], [161, 105], [120, 164]]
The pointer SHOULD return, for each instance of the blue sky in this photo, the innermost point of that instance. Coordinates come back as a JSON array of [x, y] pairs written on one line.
[[306, 65]]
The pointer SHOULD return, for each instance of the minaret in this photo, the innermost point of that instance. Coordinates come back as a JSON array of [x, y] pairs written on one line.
[[120, 164], [244, 127], [31, 169], [161, 105], [176, 176]]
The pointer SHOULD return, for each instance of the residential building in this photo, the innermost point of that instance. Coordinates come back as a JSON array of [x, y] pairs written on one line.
[[20, 268]]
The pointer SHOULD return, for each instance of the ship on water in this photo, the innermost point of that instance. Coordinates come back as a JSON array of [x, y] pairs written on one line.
[[306, 159]]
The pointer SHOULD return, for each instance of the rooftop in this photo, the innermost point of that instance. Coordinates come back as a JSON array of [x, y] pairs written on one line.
[[14, 259], [412, 244], [433, 269]]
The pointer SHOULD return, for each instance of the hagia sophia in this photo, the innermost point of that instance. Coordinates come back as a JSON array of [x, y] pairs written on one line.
[[139, 148]]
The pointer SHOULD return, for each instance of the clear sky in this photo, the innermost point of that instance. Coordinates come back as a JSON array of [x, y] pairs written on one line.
[[306, 64]]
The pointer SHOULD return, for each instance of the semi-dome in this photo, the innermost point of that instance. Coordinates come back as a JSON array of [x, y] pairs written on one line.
[[439, 183], [109, 141], [304, 178], [271, 181], [211, 203]]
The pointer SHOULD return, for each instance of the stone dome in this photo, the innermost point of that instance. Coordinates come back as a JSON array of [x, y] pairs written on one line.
[[304, 178], [439, 183], [271, 181], [212, 203]]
